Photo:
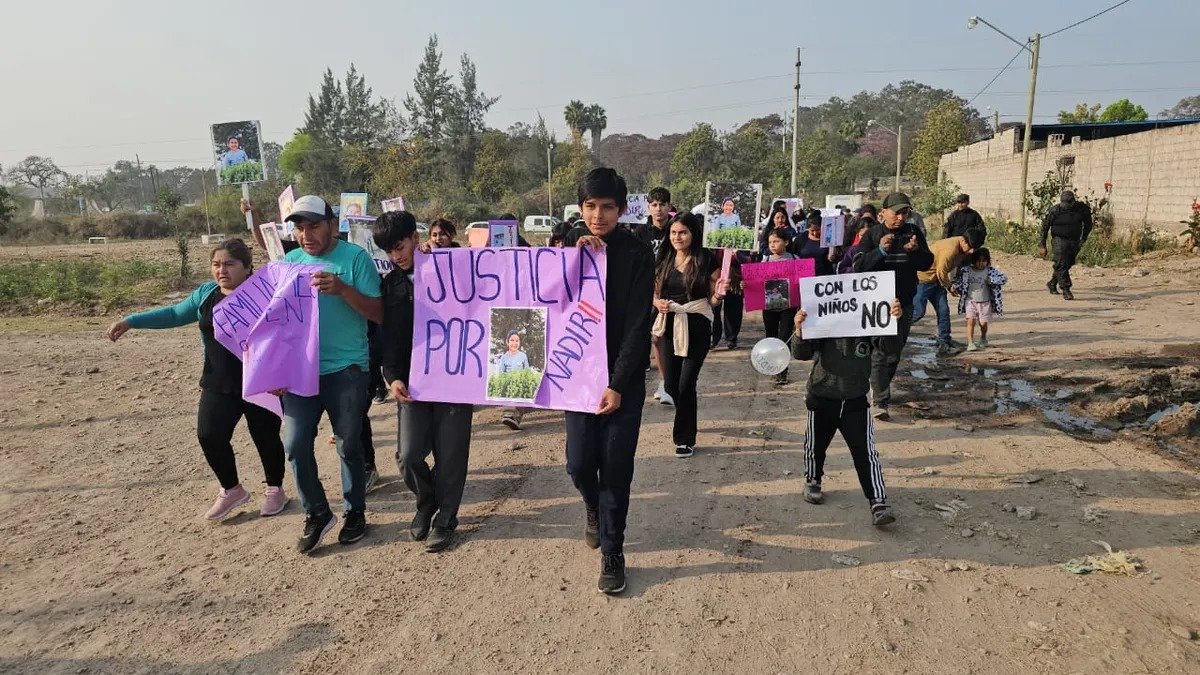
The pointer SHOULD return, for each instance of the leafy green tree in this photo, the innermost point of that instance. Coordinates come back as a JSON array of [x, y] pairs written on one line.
[[1082, 114], [696, 159], [465, 120], [822, 164], [1187, 107], [327, 111], [573, 163], [1124, 111], [575, 115], [8, 209], [493, 171], [945, 130], [433, 96], [314, 164], [167, 203], [597, 121]]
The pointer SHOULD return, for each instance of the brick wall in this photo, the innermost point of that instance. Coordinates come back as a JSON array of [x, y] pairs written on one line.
[[1155, 174]]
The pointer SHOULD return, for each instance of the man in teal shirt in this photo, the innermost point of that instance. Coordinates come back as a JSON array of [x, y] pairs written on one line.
[[349, 297]]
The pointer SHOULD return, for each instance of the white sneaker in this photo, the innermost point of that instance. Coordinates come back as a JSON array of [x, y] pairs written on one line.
[[658, 393], [666, 399], [972, 347]]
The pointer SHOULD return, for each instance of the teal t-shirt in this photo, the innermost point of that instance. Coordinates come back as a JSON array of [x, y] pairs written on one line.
[[343, 331]]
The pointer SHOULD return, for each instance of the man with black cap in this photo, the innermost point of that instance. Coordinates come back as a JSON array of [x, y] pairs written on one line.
[[1069, 222], [898, 245], [964, 218], [348, 298]]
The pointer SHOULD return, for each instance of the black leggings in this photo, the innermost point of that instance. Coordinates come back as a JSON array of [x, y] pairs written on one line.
[[826, 417], [681, 372], [218, 416]]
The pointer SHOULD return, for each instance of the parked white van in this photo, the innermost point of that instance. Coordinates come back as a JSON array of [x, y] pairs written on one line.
[[540, 224]]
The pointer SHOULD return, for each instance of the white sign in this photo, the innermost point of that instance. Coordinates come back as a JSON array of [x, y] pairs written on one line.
[[270, 233], [637, 209], [848, 305], [833, 228], [360, 235], [502, 233]]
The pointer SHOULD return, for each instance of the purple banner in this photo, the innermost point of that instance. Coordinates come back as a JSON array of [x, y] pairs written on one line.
[[775, 285], [515, 326], [270, 323]]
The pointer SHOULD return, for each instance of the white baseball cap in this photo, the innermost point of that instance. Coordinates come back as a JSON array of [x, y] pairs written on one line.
[[310, 208]]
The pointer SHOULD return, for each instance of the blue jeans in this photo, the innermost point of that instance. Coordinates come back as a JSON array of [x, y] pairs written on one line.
[[343, 395], [932, 291]]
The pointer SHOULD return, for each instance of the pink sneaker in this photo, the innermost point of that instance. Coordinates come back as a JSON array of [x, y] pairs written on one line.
[[227, 500], [274, 501]]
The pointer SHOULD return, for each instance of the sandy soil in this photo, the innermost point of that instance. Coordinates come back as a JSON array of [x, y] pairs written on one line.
[[107, 565]]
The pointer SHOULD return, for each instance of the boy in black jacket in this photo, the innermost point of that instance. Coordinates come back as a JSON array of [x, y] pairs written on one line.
[[443, 429], [837, 401], [601, 445], [896, 245]]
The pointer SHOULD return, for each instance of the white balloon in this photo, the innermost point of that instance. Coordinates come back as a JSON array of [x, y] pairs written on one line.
[[770, 356]]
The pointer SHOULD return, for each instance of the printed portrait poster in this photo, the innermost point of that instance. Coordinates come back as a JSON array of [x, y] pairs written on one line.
[[848, 305], [287, 200], [274, 243], [775, 285], [361, 235], [637, 209], [237, 151], [353, 204], [502, 233], [833, 227], [393, 204], [731, 215], [495, 326]]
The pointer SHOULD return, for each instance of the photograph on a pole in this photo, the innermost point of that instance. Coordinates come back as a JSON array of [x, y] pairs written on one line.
[[237, 149], [731, 215]]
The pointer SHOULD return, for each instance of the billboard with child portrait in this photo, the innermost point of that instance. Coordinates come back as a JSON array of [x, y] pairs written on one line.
[[237, 150], [731, 215]]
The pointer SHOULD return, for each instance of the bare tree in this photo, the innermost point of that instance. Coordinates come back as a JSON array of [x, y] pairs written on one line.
[[36, 172]]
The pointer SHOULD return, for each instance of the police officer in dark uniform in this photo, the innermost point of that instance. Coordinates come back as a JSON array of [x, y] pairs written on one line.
[[1070, 223]]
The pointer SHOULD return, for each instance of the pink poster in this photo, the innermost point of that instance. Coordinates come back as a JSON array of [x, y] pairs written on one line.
[[270, 323], [517, 326], [775, 285]]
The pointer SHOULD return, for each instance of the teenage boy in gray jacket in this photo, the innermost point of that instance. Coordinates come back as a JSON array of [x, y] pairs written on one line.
[[837, 401]]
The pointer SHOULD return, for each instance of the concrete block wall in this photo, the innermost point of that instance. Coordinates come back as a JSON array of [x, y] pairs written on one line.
[[1155, 174]]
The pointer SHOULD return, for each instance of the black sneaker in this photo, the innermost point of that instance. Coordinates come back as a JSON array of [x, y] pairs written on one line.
[[812, 492], [1067, 294], [354, 528], [591, 529], [1052, 287], [420, 525], [315, 529], [439, 539], [684, 451], [732, 344], [612, 574], [881, 515]]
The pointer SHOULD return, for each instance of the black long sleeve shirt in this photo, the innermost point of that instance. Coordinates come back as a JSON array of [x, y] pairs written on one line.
[[905, 264]]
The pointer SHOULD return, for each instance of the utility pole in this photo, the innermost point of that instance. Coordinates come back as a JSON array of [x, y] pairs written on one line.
[[549, 181], [795, 123], [1033, 68], [995, 122], [899, 153], [204, 189]]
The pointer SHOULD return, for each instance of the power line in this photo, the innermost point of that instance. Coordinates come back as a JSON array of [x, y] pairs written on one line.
[[997, 76], [1106, 11]]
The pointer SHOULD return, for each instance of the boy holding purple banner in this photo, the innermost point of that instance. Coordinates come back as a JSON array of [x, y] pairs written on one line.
[[601, 445], [348, 298]]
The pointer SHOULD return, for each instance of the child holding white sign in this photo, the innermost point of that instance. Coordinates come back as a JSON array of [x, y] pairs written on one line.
[[837, 401]]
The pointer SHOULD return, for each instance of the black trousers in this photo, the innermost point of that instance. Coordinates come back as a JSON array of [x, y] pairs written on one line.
[[828, 416], [727, 318], [600, 451], [216, 419], [443, 430], [1065, 252], [780, 323], [681, 372], [885, 357]]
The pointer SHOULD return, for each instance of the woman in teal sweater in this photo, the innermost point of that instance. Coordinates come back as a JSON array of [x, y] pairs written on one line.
[[221, 403]]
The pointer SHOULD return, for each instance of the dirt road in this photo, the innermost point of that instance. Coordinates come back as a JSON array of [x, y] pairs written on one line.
[[107, 565]]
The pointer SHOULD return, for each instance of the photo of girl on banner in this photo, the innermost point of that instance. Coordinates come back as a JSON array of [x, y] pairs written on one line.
[[731, 215], [353, 204], [777, 293], [517, 353], [237, 149]]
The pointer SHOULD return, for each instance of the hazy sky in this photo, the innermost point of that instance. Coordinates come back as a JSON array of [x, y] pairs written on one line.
[[88, 83]]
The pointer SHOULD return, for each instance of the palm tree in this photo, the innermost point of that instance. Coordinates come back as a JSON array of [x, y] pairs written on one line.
[[576, 115], [597, 122]]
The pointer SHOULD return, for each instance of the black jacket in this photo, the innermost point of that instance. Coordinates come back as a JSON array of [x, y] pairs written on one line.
[[841, 366], [960, 221], [650, 235], [629, 292], [397, 338], [1068, 221], [904, 264]]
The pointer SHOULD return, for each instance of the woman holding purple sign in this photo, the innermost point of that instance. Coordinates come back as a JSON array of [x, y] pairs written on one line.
[[687, 286], [221, 402]]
